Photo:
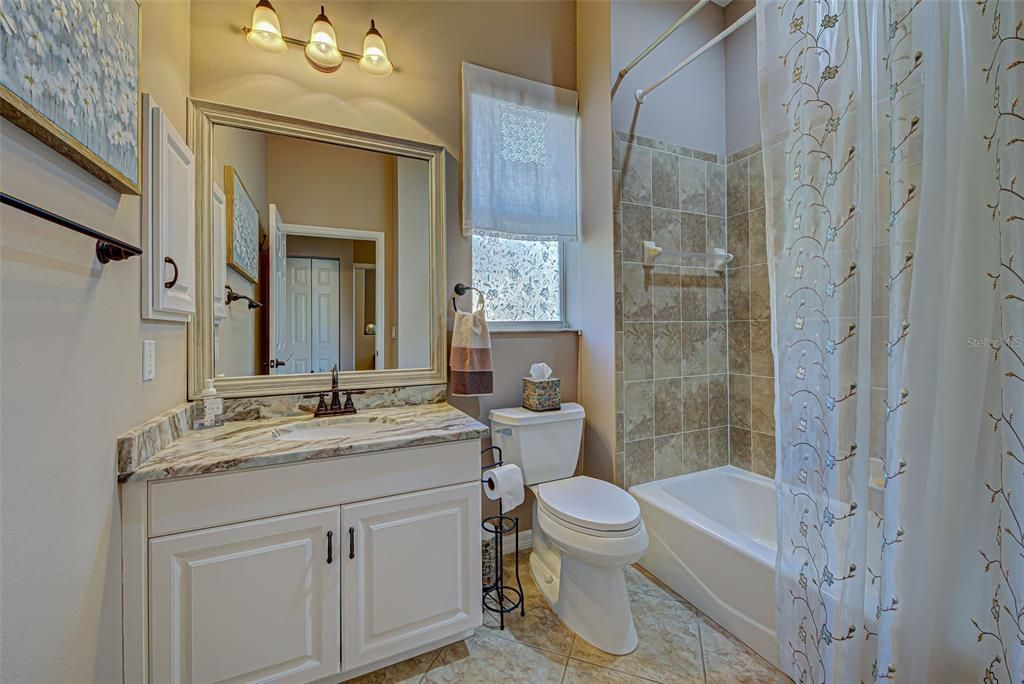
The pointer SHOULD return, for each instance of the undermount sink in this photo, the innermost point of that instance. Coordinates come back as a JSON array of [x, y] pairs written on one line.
[[336, 428]]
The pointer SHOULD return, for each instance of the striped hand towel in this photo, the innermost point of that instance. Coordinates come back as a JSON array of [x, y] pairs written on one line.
[[471, 354]]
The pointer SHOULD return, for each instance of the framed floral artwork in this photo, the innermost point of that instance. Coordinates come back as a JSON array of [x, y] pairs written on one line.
[[243, 227], [71, 79]]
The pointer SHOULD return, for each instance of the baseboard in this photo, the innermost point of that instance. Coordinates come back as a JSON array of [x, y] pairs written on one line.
[[525, 542]]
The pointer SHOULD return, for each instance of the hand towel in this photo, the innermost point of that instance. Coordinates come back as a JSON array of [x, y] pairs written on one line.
[[470, 360]]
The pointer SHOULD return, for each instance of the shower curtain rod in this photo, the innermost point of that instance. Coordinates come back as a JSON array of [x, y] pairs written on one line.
[[642, 93], [660, 39]]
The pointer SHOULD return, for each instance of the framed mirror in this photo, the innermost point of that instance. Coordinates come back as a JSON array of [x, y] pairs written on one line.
[[317, 247]]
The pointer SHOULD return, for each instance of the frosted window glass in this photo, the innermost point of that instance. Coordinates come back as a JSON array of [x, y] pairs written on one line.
[[521, 279]]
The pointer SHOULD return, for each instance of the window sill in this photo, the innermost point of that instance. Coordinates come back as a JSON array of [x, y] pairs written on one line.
[[532, 330]]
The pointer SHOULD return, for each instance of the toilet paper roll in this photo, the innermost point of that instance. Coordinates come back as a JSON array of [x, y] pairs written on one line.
[[505, 483]]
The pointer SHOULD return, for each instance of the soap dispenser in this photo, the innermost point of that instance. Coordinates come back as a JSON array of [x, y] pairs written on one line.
[[213, 407]]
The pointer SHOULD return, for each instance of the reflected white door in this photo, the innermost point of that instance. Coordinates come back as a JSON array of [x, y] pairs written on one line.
[[326, 314], [278, 293], [298, 326]]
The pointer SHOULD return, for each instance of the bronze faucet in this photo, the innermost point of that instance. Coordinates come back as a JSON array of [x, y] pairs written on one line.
[[336, 408]]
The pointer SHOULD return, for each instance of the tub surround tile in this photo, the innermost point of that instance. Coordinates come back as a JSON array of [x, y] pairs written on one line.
[[718, 348], [755, 174], [718, 303], [666, 227], [757, 238], [665, 180], [737, 188], [637, 294], [639, 423], [638, 351], [668, 456], [762, 404], [693, 295], [695, 403], [668, 402], [716, 190], [243, 444], [738, 294], [693, 232], [737, 227], [694, 347], [717, 237], [760, 296], [718, 400], [718, 450], [696, 450], [667, 300], [739, 400], [744, 153], [761, 361], [692, 185], [639, 462], [762, 453], [739, 347], [636, 175], [636, 227], [667, 350], [739, 448]]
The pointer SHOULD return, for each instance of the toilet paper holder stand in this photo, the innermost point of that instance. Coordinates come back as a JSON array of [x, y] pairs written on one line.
[[500, 597]]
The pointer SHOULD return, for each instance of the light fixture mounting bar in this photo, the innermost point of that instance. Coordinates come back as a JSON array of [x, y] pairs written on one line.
[[303, 43]]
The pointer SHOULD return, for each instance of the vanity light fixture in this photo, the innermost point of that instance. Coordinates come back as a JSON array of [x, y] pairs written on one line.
[[265, 33], [375, 54], [322, 50]]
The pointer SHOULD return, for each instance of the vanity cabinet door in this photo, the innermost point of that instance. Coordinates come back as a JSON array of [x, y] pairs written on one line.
[[254, 601], [411, 571]]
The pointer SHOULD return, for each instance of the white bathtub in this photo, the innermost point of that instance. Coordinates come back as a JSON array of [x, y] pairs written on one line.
[[712, 539]]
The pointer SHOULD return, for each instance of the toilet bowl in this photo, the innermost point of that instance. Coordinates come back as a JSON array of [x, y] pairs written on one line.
[[585, 531]]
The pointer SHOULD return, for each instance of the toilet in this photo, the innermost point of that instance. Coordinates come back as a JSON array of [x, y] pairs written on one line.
[[585, 531]]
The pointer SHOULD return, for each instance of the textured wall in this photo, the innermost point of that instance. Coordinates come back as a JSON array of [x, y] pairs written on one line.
[[751, 384], [671, 319]]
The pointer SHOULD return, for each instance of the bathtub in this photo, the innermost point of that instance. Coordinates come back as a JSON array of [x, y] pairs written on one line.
[[712, 539]]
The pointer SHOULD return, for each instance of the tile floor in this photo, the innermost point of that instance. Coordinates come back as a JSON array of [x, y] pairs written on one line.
[[678, 643]]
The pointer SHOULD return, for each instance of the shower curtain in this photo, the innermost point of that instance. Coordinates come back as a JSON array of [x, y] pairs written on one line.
[[893, 138]]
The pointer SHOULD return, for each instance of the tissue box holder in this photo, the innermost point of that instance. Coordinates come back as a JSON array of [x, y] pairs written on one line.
[[542, 395]]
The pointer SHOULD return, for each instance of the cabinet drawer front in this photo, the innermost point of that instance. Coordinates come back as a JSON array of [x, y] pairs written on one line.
[[181, 504], [255, 601], [412, 571]]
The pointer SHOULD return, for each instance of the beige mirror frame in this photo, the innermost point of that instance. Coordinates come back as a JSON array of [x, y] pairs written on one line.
[[202, 117]]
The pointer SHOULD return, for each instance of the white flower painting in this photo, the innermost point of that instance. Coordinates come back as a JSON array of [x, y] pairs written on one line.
[[76, 63], [243, 229]]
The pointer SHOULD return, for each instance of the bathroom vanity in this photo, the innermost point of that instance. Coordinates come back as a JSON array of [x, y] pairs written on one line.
[[299, 549]]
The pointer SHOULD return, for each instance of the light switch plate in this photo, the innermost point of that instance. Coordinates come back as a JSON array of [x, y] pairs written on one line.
[[148, 360]]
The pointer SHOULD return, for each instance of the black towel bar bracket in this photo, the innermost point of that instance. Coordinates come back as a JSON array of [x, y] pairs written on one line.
[[461, 289], [107, 248]]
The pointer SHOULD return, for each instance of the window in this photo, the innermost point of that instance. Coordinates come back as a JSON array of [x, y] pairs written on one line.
[[522, 280]]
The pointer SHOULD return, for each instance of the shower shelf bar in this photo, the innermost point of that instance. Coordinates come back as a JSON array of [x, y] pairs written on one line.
[[716, 260], [661, 39], [642, 93]]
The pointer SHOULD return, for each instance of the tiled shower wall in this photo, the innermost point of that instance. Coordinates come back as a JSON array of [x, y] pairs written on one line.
[[694, 384], [751, 368], [671, 328]]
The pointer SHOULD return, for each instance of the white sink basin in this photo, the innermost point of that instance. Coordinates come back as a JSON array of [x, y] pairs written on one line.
[[346, 427]]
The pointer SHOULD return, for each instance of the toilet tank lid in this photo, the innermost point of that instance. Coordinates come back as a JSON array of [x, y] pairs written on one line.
[[521, 416]]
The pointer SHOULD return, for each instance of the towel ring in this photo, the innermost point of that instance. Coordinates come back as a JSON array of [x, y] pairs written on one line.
[[460, 290]]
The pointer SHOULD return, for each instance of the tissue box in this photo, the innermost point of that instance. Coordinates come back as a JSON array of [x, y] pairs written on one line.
[[542, 395]]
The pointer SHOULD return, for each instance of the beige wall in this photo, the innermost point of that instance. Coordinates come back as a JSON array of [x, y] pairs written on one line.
[[246, 151], [70, 382], [742, 101]]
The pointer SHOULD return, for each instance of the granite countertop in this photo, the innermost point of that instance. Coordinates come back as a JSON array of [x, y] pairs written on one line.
[[244, 444]]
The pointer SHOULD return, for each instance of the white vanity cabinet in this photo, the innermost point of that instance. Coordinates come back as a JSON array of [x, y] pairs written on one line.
[[253, 601], [314, 571]]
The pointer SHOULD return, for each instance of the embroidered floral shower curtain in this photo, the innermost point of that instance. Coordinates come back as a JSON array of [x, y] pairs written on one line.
[[893, 138]]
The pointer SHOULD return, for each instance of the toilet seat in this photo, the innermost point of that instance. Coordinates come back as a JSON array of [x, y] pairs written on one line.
[[590, 506]]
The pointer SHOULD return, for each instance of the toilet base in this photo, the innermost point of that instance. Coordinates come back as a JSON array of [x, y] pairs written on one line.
[[592, 601]]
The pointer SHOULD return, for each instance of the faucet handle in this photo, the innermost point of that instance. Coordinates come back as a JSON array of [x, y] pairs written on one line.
[[348, 398]]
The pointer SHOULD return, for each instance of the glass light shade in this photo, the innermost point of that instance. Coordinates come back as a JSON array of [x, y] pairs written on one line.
[[322, 50], [375, 54], [265, 33]]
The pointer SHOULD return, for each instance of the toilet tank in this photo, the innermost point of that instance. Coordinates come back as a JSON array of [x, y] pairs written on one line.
[[544, 445]]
